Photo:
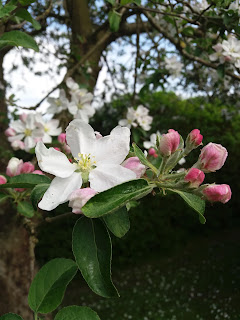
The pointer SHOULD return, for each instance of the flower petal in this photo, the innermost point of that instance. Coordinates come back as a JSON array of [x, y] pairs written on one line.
[[53, 161], [18, 126], [107, 176], [80, 137], [114, 148], [59, 191]]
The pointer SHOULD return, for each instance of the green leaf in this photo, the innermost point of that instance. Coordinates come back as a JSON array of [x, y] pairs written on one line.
[[137, 2], [26, 2], [8, 8], [76, 313], [26, 180], [18, 38], [114, 20], [138, 152], [124, 2], [3, 197], [195, 202], [112, 199], [37, 194], [118, 222], [92, 249], [25, 15], [25, 209], [11, 316], [48, 286], [112, 2]]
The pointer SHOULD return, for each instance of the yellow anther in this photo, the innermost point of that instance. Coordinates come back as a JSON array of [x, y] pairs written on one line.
[[27, 132]]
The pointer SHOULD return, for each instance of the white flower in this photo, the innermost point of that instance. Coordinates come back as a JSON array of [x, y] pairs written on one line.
[[200, 5], [96, 160], [80, 106], [73, 86], [231, 47], [59, 104], [235, 6], [143, 118], [130, 121], [153, 141], [49, 127], [218, 55], [27, 131], [173, 66]]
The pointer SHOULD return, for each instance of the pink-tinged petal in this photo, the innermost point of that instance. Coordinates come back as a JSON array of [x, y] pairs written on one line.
[[107, 176], [18, 126], [59, 191], [134, 164], [79, 198], [217, 192], [3, 179], [53, 161], [114, 148], [38, 172], [80, 137], [17, 137]]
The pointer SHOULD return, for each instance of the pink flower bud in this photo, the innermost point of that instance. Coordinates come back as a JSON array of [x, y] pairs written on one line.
[[62, 138], [135, 165], [38, 172], [227, 58], [218, 192], [23, 117], [17, 144], [151, 151], [56, 148], [169, 143], [212, 157], [3, 179], [66, 148], [194, 138], [79, 198], [27, 167], [98, 135], [195, 177], [10, 132], [14, 167], [155, 155]]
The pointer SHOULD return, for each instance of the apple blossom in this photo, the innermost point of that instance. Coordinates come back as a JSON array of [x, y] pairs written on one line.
[[79, 198], [134, 164], [3, 179], [212, 157], [38, 172], [27, 167], [80, 106], [195, 177], [130, 119], [231, 47], [59, 104], [17, 144], [153, 141], [96, 160], [169, 143], [13, 167], [173, 66], [10, 132], [217, 192], [50, 128]]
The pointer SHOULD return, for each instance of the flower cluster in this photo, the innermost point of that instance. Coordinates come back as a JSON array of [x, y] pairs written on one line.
[[140, 117], [173, 66], [30, 128], [227, 51], [79, 106]]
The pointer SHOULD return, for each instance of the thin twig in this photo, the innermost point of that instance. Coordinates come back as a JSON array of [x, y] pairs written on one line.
[[137, 58], [53, 219]]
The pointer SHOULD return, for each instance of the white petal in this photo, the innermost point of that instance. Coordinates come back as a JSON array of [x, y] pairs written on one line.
[[18, 126], [16, 137], [80, 137], [29, 143], [53, 161], [113, 148], [107, 176], [59, 191], [47, 138]]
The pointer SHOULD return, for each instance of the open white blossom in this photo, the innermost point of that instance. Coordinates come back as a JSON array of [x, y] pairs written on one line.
[[131, 119], [235, 6], [173, 66], [49, 127], [59, 104], [80, 106], [27, 131], [137, 117], [153, 141], [72, 86], [231, 48], [218, 54], [200, 5], [96, 160]]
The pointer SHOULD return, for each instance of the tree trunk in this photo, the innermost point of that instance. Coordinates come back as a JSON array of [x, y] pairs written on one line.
[[15, 264]]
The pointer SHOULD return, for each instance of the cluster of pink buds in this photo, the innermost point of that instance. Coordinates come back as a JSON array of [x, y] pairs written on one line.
[[62, 140], [16, 167], [212, 158]]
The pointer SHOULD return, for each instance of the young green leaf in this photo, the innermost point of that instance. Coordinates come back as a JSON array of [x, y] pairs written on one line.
[[7, 9], [37, 193], [25, 15], [25, 209], [112, 199], [18, 39], [114, 20], [26, 180], [92, 249], [195, 202], [48, 286], [143, 160], [118, 222], [76, 313], [11, 316], [3, 197]]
